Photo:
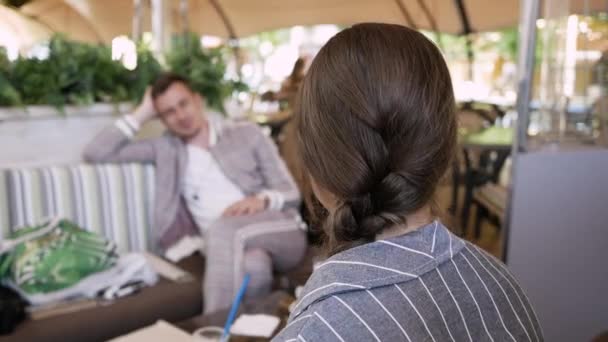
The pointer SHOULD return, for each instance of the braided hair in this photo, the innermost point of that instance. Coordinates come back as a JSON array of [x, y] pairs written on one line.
[[376, 128]]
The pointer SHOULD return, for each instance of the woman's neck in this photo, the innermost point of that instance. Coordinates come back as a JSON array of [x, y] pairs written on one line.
[[416, 220]]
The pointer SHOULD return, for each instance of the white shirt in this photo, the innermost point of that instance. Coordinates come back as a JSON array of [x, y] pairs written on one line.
[[206, 189], [274, 199]]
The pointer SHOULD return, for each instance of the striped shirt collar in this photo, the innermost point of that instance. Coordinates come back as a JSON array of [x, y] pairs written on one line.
[[381, 263]]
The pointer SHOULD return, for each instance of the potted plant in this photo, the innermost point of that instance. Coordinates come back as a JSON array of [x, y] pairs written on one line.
[[79, 78], [205, 68]]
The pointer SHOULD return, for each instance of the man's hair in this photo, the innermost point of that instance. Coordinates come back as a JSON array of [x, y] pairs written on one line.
[[165, 80]]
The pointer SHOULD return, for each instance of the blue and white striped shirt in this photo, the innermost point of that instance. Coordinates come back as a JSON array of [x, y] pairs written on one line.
[[427, 285]]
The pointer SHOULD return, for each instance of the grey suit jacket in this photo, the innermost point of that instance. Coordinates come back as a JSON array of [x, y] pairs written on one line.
[[246, 156], [428, 285]]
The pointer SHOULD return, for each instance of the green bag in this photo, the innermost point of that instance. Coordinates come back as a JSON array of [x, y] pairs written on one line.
[[53, 256]]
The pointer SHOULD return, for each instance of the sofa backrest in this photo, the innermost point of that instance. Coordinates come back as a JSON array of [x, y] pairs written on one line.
[[114, 200]]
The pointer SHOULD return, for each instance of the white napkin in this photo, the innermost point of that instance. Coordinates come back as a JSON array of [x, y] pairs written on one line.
[[160, 331], [255, 325], [185, 247]]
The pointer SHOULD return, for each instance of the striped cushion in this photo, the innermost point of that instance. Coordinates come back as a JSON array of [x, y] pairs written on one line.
[[115, 201], [5, 222]]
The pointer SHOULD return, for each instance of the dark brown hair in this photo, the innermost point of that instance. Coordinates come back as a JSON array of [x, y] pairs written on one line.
[[297, 73], [375, 127], [164, 81]]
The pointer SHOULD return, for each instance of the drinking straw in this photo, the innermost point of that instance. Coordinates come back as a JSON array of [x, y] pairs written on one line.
[[235, 306]]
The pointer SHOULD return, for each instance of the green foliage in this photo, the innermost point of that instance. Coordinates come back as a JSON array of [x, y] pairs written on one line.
[[205, 68], [508, 44], [147, 70], [8, 94], [81, 74], [108, 78], [72, 67], [454, 47], [73, 73], [36, 82], [5, 64]]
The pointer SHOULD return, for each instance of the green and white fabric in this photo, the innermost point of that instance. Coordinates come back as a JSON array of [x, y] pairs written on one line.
[[132, 269], [54, 255], [115, 201], [57, 261]]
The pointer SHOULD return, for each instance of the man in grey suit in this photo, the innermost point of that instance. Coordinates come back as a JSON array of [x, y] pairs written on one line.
[[222, 180]]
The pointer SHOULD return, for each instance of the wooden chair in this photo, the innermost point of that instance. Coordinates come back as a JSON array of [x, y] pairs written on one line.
[[491, 202], [491, 199]]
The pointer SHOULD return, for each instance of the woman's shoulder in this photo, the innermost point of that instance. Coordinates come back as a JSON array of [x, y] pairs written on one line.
[[322, 321], [362, 315]]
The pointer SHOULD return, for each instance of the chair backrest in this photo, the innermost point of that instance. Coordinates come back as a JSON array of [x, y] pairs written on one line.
[[114, 200], [470, 121]]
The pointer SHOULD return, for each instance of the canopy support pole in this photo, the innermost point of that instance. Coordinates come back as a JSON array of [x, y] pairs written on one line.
[[138, 8], [161, 23], [466, 31], [233, 42]]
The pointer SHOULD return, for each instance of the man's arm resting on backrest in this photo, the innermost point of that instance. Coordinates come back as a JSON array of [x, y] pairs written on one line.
[[114, 143]]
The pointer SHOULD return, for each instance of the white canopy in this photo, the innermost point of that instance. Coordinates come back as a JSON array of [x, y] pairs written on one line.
[[84, 20], [103, 20], [18, 31]]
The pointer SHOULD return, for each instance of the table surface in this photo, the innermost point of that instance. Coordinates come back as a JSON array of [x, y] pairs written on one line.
[[276, 304], [492, 137]]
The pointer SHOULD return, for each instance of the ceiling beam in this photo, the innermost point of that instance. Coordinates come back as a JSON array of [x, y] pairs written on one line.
[[432, 21], [233, 39], [464, 17], [220, 11], [466, 31], [406, 14]]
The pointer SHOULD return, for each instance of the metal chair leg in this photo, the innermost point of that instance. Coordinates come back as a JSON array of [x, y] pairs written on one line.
[[482, 213]]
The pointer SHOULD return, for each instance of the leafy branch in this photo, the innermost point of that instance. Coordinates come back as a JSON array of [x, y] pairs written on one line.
[[82, 74]]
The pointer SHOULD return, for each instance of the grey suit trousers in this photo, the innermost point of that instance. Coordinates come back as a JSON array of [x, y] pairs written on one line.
[[255, 244]]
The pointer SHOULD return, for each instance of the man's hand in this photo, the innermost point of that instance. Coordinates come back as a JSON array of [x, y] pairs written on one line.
[[248, 206], [145, 111]]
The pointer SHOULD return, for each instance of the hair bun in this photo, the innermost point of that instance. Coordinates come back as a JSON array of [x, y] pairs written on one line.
[[344, 223], [361, 218]]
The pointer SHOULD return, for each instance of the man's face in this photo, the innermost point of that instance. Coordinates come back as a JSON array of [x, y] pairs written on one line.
[[181, 110]]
